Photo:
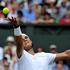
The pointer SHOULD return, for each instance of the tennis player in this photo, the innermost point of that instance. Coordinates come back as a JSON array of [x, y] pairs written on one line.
[[27, 59]]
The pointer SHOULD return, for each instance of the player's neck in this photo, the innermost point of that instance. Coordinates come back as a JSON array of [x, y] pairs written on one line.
[[31, 51]]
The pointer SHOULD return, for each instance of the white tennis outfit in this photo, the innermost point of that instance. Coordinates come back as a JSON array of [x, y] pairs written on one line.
[[39, 61]]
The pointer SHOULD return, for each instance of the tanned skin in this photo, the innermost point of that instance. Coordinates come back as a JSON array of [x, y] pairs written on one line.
[[22, 42]]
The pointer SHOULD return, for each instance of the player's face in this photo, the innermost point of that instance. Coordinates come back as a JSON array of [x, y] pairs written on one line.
[[28, 43]]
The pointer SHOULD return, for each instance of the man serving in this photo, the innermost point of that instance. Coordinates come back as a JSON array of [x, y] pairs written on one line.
[[27, 59]]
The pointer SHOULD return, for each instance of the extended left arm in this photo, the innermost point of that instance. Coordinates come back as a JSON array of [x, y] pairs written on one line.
[[63, 56]]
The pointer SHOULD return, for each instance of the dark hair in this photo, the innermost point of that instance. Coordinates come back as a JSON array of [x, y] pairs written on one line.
[[48, 14], [5, 58], [68, 8], [19, 12], [64, 62], [1, 7]]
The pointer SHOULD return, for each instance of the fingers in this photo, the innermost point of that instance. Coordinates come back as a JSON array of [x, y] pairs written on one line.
[[13, 21], [12, 18], [9, 18]]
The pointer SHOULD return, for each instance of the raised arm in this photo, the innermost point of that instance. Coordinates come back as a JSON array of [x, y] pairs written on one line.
[[19, 40], [63, 56]]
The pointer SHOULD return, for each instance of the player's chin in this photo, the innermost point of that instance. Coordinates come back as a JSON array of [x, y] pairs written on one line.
[[27, 47]]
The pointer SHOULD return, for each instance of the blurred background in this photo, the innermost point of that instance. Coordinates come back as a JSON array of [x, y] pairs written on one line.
[[47, 22]]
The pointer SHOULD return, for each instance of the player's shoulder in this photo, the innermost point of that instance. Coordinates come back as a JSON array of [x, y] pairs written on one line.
[[50, 54], [41, 54], [45, 54]]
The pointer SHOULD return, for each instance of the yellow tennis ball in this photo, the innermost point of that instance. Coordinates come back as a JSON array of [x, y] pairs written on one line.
[[5, 10]]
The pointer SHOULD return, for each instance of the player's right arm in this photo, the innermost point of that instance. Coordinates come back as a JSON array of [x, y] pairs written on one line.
[[19, 40]]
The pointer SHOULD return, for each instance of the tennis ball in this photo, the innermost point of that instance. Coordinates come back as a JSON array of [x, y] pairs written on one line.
[[5, 10]]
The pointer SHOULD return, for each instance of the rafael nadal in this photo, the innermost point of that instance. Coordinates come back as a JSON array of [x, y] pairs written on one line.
[[27, 59]]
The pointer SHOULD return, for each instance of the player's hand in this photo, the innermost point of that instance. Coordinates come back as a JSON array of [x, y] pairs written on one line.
[[14, 22]]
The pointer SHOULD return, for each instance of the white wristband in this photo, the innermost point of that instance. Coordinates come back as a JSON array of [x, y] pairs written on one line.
[[17, 31]]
